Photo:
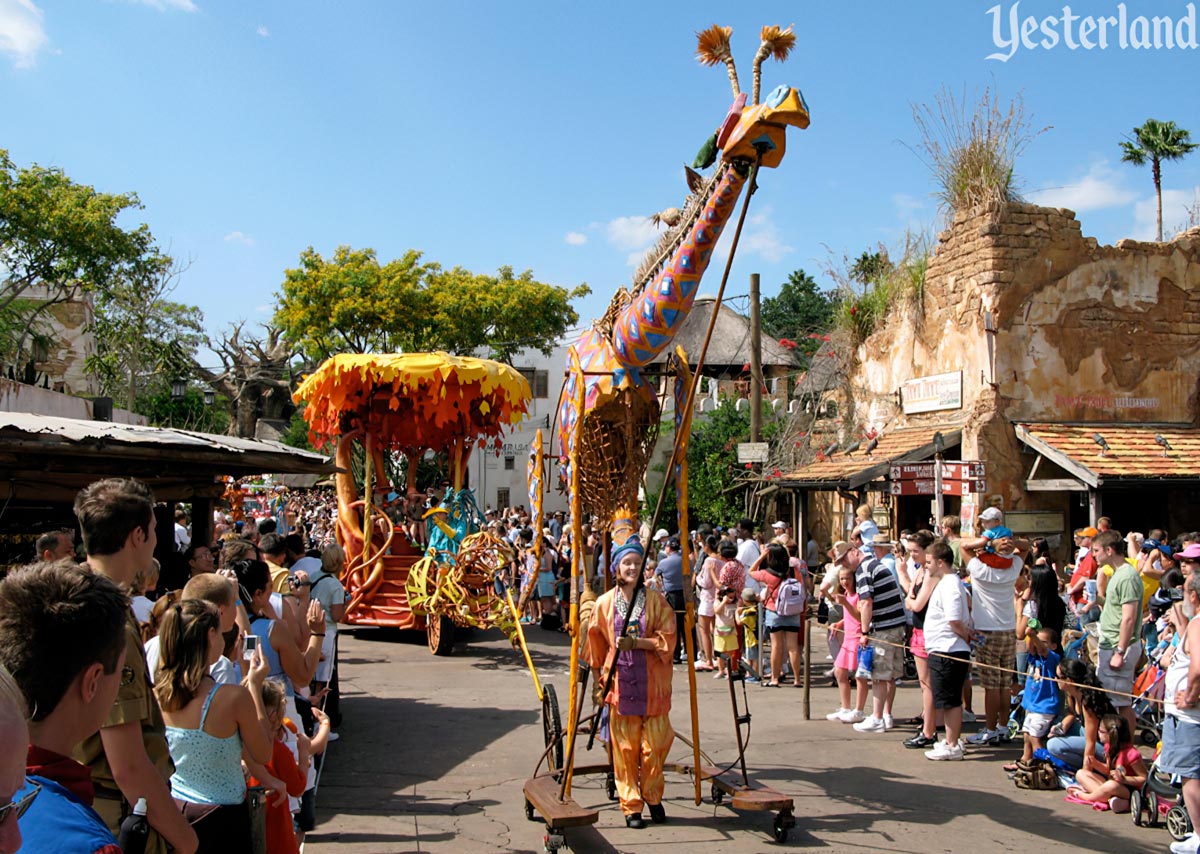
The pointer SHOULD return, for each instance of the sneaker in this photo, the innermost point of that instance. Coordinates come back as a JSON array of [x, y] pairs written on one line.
[[852, 716], [944, 752], [888, 723], [752, 680], [1190, 844], [968, 716], [920, 741], [333, 736], [837, 716], [870, 724], [985, 736]]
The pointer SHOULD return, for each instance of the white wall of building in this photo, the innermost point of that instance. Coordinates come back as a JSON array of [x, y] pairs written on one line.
[[490, 474]]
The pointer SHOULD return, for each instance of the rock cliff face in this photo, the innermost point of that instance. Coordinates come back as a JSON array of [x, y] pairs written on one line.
[[1046, 325]]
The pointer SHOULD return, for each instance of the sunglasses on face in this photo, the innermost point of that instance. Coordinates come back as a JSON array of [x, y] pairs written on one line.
[[19, 807], [292, 580]]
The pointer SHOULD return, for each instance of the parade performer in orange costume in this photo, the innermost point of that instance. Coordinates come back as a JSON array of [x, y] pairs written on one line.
[[639, 703]]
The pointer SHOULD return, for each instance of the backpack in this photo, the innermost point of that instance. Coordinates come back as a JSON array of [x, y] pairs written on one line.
[[1039, 774], [790, 599]]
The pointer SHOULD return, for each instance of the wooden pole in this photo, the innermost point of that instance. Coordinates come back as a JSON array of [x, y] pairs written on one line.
[[756, 377], [577, 546], [807, 665]]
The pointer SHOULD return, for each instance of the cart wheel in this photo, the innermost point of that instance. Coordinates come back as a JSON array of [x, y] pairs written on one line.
[[553, 840], [1153, 816], [1177, 823], [439, 631], [610, 786], [530, 815], [1136, 804], [552, 728], [781, 828], [1149, 737], [718, 794]]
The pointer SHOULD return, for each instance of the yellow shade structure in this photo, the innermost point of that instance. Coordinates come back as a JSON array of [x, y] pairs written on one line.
[[412, 401]]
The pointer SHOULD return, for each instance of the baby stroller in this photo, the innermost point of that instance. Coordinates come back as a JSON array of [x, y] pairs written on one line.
[[1160, 801], [1148, 689], [1016, 716]]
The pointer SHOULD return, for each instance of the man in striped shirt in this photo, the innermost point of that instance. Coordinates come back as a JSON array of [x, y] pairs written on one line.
[[881, 605]]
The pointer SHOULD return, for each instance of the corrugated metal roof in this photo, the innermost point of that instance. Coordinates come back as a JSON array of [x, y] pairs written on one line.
[[854, 470], [21, 426], [1132, 451]]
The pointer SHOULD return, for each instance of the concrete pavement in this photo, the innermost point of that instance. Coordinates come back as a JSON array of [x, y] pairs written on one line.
[[434, 752]]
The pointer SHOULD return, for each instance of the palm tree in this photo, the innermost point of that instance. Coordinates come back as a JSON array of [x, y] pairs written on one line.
[[1157, 141]]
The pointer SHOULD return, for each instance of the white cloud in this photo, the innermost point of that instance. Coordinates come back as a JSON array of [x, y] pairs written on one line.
[[239, 237], [165, 5], [263, 31], [906, 205], [1100, 188], [263, 309], [575, 238], [631, 232], [1175, 206], [761, 237], [21, 32]]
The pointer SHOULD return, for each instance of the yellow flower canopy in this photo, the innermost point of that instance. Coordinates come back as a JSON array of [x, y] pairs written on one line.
[[412, 401]]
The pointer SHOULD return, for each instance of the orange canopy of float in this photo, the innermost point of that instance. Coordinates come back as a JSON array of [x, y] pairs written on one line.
[[412, 401]]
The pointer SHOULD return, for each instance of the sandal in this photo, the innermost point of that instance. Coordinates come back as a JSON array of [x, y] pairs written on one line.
[[772, 685]]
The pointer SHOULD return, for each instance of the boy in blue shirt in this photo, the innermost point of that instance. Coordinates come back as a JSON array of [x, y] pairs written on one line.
[[1041, 697]]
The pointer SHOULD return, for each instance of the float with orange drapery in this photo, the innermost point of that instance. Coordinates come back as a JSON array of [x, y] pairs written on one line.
[[370, 407]]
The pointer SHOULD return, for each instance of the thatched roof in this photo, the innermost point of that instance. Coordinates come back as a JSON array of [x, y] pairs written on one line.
[[730, 345], [825, 372]]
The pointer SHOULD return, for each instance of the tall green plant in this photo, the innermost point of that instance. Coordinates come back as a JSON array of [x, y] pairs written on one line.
[[1153, 143], [972, 149]]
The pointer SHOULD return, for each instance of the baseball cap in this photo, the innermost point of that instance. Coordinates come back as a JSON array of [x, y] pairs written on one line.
[[673, 543], [661, 534], [1086, 532], [778, 524], [991, 513]]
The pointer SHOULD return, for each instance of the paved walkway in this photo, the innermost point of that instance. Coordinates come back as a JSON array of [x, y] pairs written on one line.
[[434, 752]]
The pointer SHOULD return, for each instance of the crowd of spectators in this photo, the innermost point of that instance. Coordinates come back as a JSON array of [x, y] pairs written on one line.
[[181, 700]]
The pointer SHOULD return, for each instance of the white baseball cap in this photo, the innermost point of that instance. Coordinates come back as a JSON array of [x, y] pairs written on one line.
[[661, 534], [991, 513], [778, 524]]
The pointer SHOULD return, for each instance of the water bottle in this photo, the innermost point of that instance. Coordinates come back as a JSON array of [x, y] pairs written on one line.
[[135, 830]]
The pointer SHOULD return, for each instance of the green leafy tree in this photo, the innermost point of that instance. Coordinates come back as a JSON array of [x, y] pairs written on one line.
[[187, 413], [1153, 143], [353, 303], [801, 309], [140, 334], [58, 240]]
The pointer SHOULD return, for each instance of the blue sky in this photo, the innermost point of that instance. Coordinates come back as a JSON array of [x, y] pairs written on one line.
[[539, 135]]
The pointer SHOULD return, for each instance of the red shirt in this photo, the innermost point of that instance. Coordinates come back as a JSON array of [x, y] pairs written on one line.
[[281, 838], [1085, 568]]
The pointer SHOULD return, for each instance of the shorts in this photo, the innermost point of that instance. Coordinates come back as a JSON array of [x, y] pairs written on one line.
[[889, 654], [917, 644], [999, 650], [704, 607], [1037, 724], [1118, 680], [947, 674], [1180, 748], [776, 623], [328, 654]]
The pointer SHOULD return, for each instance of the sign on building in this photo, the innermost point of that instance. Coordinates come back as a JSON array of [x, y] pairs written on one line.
[[932, 393], [752, 452]]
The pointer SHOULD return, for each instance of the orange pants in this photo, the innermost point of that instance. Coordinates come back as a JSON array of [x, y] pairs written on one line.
[[640, 747]]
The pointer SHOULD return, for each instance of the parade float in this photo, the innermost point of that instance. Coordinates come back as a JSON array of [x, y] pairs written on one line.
[[374, 408], [609, 413]]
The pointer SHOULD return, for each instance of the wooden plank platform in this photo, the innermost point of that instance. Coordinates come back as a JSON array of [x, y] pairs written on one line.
[[753, 798], [542, 792]]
